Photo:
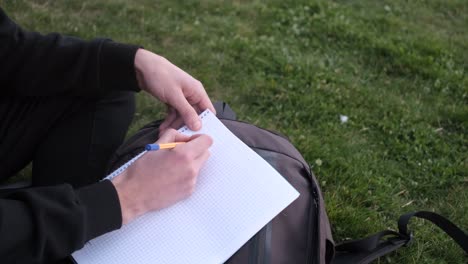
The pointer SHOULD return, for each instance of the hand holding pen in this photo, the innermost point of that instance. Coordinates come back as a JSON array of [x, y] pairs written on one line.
[[161, 178]]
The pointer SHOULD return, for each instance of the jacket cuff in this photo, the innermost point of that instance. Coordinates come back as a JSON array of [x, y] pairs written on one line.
[[117, 67], [103, 213]]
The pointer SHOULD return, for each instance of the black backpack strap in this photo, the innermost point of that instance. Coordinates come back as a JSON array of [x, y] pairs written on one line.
[[448, 227], [377, 245]]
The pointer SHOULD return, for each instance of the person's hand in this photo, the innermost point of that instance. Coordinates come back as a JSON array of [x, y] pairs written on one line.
[[184, 94], [161, 178]]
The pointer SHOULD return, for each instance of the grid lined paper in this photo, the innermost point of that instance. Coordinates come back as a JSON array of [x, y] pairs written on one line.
[[237, 193]]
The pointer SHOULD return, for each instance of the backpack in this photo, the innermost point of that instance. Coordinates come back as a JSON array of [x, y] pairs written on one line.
[[301, 233]]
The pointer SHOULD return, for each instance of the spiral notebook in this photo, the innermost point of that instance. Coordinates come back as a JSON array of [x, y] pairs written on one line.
[[237, 193]]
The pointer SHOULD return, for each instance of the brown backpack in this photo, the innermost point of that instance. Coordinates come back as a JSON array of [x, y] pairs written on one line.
[[301, 233]]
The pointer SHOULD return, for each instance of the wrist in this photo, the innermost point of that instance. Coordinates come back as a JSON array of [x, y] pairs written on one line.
[[139, 65], [145, 63], [129, 205]]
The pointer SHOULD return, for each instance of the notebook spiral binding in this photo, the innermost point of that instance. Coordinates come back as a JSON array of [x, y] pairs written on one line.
[[124, 167]]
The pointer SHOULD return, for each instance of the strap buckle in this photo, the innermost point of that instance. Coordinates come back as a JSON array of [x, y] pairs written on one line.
[[409, 239]]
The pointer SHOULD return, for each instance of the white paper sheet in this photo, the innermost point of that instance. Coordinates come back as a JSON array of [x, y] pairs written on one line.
[[237, 193]]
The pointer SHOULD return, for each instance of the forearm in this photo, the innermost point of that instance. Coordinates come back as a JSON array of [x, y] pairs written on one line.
[[41, 225], [32, 64]]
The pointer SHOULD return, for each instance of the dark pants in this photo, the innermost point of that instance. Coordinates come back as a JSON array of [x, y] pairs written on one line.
[[68, 139]]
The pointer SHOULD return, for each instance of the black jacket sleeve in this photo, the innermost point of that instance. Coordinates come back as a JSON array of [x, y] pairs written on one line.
[[40, 225], [45, 224], [32, 64]]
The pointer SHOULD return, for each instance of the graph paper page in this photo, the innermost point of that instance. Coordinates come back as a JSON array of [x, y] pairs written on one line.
[[237, 193]]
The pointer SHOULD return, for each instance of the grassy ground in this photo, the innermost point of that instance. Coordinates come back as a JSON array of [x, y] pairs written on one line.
[[397, 69]]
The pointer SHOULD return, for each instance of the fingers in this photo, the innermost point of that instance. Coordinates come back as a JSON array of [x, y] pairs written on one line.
[[172, 121], [173, 86], [167, 137], [181, 137], [192, 100], [171, 135], [202, 158], [175, 124], [185, 105], [171, 116], [200, 161], [187, 112], [205, 102], [196, 146]]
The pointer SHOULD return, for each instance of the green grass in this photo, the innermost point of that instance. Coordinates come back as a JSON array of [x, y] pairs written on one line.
[[398, 69]]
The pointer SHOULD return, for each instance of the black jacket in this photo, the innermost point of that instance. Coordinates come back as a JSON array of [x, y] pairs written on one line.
[[36, 222]]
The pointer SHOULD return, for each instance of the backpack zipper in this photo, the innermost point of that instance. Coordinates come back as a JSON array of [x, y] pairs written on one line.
[[313, 249]]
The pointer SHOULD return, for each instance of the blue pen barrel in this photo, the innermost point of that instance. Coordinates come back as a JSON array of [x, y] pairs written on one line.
[[150, 147]]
